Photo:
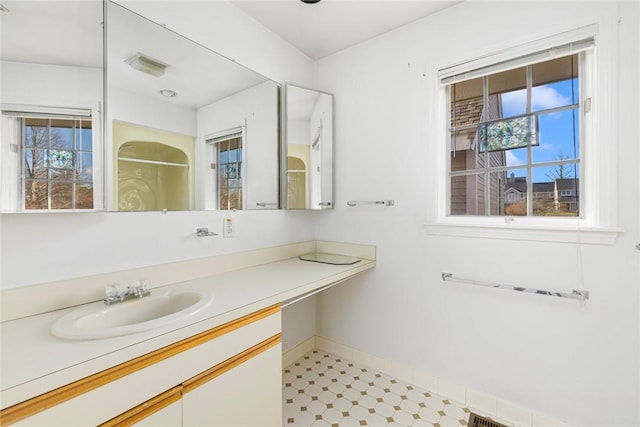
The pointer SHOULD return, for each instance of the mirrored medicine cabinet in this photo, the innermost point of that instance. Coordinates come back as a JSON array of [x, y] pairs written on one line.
[[153, 122], [307, 164], [186, 127], [52, 103], [120, 113]]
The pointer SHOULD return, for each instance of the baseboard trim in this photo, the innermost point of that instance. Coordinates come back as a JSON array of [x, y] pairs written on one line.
[[296, 352]]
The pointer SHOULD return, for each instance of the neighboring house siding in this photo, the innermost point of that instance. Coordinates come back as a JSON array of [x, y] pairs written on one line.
[[468, 192]]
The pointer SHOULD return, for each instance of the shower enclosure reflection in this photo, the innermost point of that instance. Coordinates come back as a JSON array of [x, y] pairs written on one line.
[[155, 169]]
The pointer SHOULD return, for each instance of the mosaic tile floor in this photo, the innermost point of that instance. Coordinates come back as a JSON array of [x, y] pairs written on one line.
[[321, 389]]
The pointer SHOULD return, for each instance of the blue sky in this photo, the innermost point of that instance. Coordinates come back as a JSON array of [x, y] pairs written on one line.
[[555, 130]]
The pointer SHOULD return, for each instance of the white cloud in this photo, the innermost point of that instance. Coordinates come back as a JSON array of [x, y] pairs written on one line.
[[512, 159], [542, 97], [515, 101]]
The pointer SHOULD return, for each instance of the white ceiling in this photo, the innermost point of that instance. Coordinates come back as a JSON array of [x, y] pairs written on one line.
[[330, 26], [51, 32]]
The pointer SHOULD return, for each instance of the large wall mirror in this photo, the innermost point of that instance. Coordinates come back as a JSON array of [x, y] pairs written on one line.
[[308, 149], [186, 127], [52, 95]]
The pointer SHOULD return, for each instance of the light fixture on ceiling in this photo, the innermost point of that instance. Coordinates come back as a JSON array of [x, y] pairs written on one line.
[[146, 64], [310, 1], [168, 93]]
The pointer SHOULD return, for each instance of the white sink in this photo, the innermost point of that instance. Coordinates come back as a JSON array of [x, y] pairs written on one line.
[[129, 317]]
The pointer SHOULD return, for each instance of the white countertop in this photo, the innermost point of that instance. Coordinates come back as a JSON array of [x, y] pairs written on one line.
[[33, 361]]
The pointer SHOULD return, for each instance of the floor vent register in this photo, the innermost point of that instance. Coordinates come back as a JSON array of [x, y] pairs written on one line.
[[476, 420]]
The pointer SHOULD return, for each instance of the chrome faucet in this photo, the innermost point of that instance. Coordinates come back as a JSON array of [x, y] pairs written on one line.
[[114, 293]]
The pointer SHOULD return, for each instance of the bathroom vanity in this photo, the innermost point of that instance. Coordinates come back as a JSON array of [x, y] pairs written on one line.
[[219, 366]]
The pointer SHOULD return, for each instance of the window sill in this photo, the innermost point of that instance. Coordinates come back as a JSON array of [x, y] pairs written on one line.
[[531, 232]]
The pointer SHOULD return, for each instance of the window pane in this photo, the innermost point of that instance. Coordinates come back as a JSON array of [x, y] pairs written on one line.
[[36, 194], [556, 190], [223, 198], [83, 135], [35, 163], [223, 157], [551, 95], [36, 133], [507, 94], [85, 167], [235, 199], [84, 195], [62, 134], [61, 195], [465, 139], [468, 195], [553, 173], [222, 175], [233, 155], [28, 136], [515, 193], [559, 136], [497, 183], [516, 157], [555, 83], [62, 174]]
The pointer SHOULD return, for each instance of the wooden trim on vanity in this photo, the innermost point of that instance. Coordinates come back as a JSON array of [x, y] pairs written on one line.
[[22, 410], [146, 409], [165, 399]]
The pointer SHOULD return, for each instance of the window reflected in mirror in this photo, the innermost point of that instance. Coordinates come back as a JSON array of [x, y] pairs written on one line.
[[229, 156]]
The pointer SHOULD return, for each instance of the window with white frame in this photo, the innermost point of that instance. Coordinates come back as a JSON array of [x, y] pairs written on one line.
[[516, 127], [54, 158], [228, 152]]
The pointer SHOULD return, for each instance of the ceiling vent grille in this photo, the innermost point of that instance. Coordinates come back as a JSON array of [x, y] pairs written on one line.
[[476, 420], [146, 64]]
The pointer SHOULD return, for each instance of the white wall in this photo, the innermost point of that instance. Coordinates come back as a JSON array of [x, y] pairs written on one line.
[[38, 84], [573, 361], [149, 112]]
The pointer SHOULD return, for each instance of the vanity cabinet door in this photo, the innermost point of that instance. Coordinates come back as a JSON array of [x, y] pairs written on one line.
[[249, 394]]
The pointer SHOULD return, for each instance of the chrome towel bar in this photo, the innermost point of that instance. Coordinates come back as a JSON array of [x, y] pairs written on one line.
[[372, 202], [578, 294]]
